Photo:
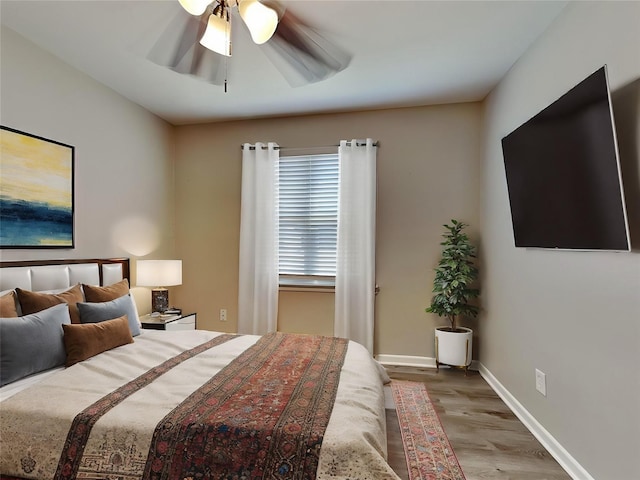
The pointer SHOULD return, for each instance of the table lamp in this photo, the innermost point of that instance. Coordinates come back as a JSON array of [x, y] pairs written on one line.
[[159, 274]]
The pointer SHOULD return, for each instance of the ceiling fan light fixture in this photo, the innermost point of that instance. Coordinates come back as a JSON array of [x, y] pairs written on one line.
[[217, 36], [195, 7], [260, 19]]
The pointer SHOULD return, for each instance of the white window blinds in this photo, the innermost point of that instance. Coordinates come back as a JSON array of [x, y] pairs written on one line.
[[308, 218]]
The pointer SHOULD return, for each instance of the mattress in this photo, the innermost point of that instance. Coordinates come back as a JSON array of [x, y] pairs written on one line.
[[37, 419]]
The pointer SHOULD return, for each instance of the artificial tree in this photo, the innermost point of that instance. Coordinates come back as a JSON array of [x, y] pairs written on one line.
[[455, 276]]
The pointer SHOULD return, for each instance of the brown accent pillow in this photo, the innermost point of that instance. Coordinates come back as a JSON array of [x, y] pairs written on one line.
[[8, 305], [33, 302], [94, 294], [89, 339]]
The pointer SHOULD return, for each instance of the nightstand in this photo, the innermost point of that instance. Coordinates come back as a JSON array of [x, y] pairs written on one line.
[[169, 322]]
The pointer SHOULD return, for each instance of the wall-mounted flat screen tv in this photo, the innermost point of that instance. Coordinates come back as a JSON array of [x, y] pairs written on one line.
[[563, 174]]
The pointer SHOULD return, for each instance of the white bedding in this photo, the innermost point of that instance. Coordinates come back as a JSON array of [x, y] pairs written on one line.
[[11, 389], [35, 420]]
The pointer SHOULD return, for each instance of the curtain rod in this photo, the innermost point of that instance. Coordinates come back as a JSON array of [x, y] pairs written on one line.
[[358, 144]]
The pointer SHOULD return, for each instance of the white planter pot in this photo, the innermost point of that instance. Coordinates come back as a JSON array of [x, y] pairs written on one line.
[[454, 348]]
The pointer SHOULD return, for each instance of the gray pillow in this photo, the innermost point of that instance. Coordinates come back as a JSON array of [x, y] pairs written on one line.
[[32, 343], [99, 312]]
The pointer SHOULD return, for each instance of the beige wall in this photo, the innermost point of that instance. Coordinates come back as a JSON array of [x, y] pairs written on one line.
[[573, 315], [124, 203], [428, 172], [306, 312]]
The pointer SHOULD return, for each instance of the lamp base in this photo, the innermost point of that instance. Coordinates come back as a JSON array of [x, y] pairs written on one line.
[[159, 299]]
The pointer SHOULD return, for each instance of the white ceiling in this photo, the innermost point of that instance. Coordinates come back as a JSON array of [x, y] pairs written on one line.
[[403, 53]]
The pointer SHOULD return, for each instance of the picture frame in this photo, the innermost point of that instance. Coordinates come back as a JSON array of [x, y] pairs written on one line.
[[37, 206]]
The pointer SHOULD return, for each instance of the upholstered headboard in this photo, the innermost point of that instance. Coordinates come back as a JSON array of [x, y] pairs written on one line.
[[41, 275]]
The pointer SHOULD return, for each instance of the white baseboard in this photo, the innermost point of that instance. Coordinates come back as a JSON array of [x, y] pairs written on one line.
[[566, 461], [406, 361], [414, 361]]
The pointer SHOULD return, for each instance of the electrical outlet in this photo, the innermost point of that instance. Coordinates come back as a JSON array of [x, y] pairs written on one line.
[[541, 382], [223, 314]]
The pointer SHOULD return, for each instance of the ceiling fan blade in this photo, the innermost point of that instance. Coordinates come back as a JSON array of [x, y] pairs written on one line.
[[302, 54], [179, 49]]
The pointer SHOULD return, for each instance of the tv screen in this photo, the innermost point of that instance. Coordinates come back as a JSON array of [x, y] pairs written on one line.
[[563, 174]]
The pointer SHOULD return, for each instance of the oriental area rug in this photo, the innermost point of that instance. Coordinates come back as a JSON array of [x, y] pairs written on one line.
[[427, 449]]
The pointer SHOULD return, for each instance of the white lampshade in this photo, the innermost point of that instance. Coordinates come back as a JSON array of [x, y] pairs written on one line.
[[217, 36], [195, 7], [260, 19], [159, 273]]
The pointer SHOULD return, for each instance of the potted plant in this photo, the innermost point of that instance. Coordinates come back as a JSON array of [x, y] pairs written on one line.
[[454, 289]]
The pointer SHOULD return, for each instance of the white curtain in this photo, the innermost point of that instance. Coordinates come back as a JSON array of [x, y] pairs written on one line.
[[355, 262], [258, 288]]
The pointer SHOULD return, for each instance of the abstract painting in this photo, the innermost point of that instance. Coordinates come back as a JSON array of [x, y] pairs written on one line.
[[36, 191]]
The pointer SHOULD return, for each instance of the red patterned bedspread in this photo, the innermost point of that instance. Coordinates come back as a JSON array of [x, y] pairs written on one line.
[[263, 416]]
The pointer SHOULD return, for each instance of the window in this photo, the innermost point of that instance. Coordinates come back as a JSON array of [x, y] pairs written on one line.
[[308, 219]]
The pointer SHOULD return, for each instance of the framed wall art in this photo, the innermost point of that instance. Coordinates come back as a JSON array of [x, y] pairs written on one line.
[[36, 191]]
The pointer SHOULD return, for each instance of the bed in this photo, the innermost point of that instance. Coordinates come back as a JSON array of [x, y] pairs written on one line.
[[178, 405]]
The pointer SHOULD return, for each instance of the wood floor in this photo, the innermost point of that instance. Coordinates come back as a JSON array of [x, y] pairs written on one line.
[[488, 439]]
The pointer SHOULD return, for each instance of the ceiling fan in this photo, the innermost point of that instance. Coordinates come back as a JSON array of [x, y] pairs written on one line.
[[203, 32]]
